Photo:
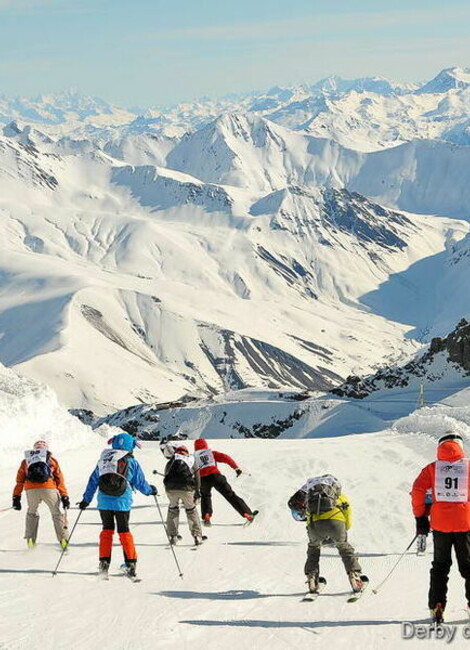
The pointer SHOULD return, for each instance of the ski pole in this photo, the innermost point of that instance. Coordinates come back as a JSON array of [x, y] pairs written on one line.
[[374, 591], [54, 573], [6, 509], [155, 471], [168, 537]]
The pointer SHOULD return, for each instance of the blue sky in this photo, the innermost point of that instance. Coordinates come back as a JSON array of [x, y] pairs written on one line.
[[157, 52]]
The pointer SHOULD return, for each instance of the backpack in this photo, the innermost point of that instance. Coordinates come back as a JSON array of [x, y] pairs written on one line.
[[297, 505], [113, 465], [178, 474], [39, 471], [322, 494]]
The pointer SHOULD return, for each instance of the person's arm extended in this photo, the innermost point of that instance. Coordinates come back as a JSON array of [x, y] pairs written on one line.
[[58, 478], [20, 479], [224, 458], [91, 486], [138, 480]]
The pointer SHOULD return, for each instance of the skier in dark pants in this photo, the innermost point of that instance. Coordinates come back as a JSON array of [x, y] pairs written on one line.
[[449, 479], [206, 462]]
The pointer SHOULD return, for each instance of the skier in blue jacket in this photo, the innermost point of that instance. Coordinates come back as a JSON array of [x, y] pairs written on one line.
[[116, 475]]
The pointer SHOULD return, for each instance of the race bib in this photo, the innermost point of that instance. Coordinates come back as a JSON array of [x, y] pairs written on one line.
[[35, 456], [188, 460], [108, 462], [451, 482], [204, 458]]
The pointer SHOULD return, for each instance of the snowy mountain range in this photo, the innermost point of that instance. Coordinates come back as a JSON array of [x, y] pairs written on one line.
[[240, 247]]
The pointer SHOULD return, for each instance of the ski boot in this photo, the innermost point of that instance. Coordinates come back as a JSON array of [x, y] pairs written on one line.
[[174, 539], [313, 582], [437, 614], [64, 543], [103, 569], [198, 540], [131, 568], [207, 519], [357, 581], [31, 542], [421, 544]]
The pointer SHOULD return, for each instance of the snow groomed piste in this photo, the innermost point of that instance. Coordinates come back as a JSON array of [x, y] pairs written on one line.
[[244, 583]]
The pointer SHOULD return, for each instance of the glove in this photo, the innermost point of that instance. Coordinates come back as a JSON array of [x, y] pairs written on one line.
[[16, 503], [238, 471], [83, 504], [422, 525], [65, 501], [197, 495], [153, 491]]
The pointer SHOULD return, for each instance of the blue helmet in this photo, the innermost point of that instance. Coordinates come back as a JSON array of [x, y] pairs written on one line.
[[298, 515], [123, 441]]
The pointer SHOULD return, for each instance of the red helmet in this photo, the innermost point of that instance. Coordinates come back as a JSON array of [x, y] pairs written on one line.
[[182, 450]]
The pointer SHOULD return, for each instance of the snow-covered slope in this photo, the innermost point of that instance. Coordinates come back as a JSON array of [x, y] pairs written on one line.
[[244, 584], [244, 254], [106, 278], [30, 411]]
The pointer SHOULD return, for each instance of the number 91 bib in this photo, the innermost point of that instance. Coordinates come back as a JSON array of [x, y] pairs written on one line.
[[451, 482]]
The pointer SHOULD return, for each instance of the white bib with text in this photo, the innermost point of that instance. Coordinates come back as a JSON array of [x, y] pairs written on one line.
[[451, 482], [108, 462], [204, 458], [35, 456], [189, 460]]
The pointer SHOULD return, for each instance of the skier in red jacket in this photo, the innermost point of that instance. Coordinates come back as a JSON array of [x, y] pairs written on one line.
[[206, 462], [449, 479]]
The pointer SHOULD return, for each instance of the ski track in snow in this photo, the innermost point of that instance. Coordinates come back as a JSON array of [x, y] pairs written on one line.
[[244, 585]]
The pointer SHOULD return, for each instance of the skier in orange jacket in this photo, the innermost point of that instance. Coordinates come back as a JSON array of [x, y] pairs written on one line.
[[449, 480], [40, 476]]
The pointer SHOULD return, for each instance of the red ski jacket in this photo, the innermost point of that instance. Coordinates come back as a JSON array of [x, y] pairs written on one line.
[[447, 515], [210, 465]]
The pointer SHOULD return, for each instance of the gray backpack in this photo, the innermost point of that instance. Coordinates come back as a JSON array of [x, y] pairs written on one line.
[[322, 494]]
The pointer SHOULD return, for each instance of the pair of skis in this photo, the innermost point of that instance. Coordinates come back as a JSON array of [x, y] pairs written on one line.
[[353, 598]]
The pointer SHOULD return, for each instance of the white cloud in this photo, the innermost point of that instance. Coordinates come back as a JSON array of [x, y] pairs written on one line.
[[323, 25]]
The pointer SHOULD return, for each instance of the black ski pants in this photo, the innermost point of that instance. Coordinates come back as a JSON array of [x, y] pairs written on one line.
[[443, 543], [122, 520], [220, 483]]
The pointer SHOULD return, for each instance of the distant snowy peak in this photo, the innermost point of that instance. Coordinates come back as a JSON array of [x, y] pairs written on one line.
[[232, 150], [62, 110], [448, 79], [27, 135], [335, 86], [332, 214]]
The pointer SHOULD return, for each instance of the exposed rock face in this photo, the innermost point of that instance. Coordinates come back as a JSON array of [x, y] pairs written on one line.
[[456, 346]]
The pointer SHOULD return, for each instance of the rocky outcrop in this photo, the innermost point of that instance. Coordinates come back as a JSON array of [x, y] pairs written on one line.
[[455, 346]]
